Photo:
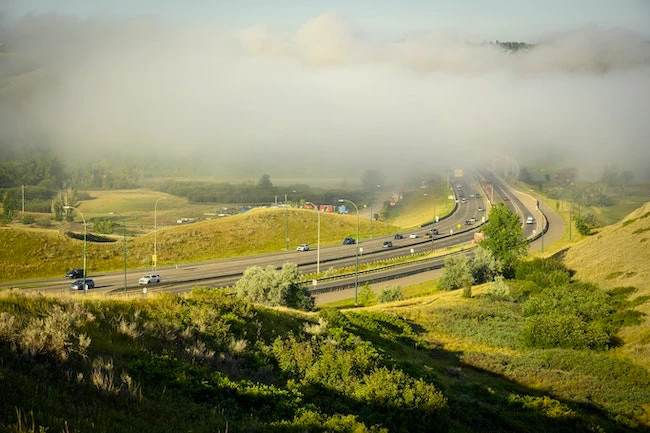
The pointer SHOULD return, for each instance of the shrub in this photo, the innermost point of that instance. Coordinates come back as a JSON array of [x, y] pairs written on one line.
[[365, 295], [455, 273], [499, 289], [584, 224], [394, 398], [543, 272], [28, 219], [270, 287], [576, 316], [334, 318], [559, 330], [390, 294], [467, 289], [483, 265]]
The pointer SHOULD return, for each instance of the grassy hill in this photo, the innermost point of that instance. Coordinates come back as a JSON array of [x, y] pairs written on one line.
[[542, 352], [52, 253], [260, 230], [619, 255], [208, 362]]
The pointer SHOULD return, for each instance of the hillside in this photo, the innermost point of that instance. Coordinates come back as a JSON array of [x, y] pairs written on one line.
[[543, 349], [443, 363], [52, 253], [619, 255]]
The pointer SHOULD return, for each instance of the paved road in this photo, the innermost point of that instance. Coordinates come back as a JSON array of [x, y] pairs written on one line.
[[556, 229]]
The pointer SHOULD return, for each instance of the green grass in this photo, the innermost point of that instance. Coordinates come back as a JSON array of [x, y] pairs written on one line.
[[255, 232], [117, 365], [418, 205]]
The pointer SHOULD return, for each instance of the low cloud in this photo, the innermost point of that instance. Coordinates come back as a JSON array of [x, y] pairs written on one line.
[[327, 100]]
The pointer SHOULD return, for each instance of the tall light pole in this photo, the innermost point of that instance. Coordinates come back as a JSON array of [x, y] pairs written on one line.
[[154, 259], [370, 206], [318, 244], [85, 238], [356, 273], [124, 237], [433, 222]]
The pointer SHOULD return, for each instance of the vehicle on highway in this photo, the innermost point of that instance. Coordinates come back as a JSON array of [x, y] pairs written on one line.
[[75, 273], [468, 223], [413, 236], [387, 244], [79, 284], [399, 236], [303, 247], [473, 219], [431, 232], [530, 220], [480, 209], [349, 241], [505, 198], [149, 279]]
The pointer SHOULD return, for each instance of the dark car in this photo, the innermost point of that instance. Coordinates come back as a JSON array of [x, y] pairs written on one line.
[[398, 236], [432, 232], [349, 241], [75, 273], [79, 284], [387, 244]]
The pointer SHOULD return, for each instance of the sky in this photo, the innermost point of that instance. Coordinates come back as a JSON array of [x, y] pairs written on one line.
[[315, 88], [495, 19]]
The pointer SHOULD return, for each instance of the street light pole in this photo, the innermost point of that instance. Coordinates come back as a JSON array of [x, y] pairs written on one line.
[[371, 218], [123, 237], [356, 273], [318, 244], [85, 238], [154, 259]]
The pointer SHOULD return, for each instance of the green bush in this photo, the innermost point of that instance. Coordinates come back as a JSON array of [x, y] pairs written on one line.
[[389, 294], [365, 295], [558, 330], [334, 318], [28, 219], [499, 289], [274, 288], [391, 397], [543, 272], [576, 316], [456, 273], [483, 265]]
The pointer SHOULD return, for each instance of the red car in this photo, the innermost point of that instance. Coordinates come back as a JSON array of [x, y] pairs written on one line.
[[505, 198]]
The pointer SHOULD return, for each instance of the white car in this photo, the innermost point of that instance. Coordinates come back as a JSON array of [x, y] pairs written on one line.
[[530, 220], [303, 247], [150, 279], [413, 235]]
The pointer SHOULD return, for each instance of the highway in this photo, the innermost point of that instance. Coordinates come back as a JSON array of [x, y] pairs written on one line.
[[457, 228]]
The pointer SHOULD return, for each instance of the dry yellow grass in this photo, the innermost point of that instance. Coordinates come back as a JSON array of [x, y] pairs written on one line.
[[619, 255], [417, 206]]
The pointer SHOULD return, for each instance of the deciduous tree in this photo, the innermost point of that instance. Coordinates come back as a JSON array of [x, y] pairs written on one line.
[[503, 236]]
